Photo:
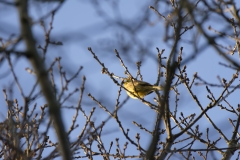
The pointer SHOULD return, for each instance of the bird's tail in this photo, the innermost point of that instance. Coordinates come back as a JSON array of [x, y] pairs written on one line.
[[160, 88]]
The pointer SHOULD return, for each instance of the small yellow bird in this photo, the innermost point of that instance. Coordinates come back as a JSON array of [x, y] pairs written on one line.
[[139, 88]]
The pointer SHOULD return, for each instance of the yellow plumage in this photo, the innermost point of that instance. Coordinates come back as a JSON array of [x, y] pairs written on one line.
[[139, 88]]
